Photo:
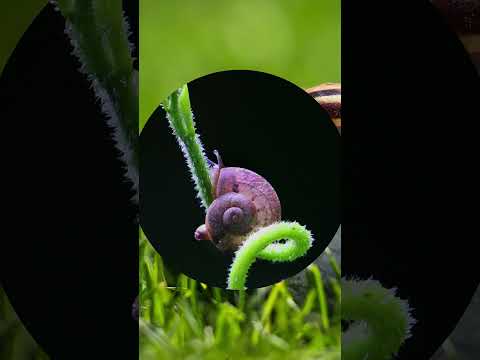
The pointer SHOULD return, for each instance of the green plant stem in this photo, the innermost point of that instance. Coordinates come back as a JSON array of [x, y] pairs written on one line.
[[180, 117], [263, 244], [99, 35]]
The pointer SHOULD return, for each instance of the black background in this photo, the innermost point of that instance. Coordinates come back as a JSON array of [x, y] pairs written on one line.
[[409, 185], [70, 264], [259, 122], [409, 105]]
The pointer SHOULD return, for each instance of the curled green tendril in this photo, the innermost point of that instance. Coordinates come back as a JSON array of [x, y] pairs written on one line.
[[381, 320], [264, 244]]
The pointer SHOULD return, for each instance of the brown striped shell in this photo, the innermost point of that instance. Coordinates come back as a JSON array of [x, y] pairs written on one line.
[[329, 95], [244, 201]]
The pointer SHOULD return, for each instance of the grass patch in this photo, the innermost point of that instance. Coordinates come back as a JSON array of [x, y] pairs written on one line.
[[181, 318]]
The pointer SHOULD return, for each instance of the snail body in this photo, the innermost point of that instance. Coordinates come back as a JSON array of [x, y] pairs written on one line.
[[243, 202]]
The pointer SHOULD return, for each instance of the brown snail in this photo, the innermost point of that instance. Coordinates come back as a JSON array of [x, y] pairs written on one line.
[[243, 202]]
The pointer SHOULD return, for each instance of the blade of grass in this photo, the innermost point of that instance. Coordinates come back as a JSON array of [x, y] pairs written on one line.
[[317, 276]]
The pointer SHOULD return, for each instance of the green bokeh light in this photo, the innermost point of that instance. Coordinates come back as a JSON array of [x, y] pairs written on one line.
[[183, 40]]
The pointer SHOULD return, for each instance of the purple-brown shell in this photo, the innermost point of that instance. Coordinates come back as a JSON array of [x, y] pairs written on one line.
[[244, 201], [229, 218], [255, 188]]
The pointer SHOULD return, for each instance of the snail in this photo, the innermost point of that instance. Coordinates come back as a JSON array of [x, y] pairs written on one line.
[[328, 95], [243, 202]]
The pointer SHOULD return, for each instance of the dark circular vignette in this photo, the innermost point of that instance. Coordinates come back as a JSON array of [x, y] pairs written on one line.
[[408, 173], [75, 246], [257, 121]]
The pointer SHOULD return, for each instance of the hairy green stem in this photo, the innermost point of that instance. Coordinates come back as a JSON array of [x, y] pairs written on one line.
[[264, 244], [381, 320], [99, 34], [180, 117]]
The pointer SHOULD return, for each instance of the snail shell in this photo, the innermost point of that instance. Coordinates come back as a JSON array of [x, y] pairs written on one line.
[[329, 95], [244, 201]]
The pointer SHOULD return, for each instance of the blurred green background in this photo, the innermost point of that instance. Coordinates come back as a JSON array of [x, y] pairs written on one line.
[[180, 41], [15, 17], [298, 40], [183, 40]]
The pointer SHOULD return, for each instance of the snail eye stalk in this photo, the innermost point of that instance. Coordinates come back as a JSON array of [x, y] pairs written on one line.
[[219, 159]]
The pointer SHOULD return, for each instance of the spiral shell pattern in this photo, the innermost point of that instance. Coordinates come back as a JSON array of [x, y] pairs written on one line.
[[229, 217], [244, 201]]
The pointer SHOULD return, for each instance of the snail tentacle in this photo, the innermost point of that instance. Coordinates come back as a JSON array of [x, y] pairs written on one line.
[[215, 172], [219, 159]]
